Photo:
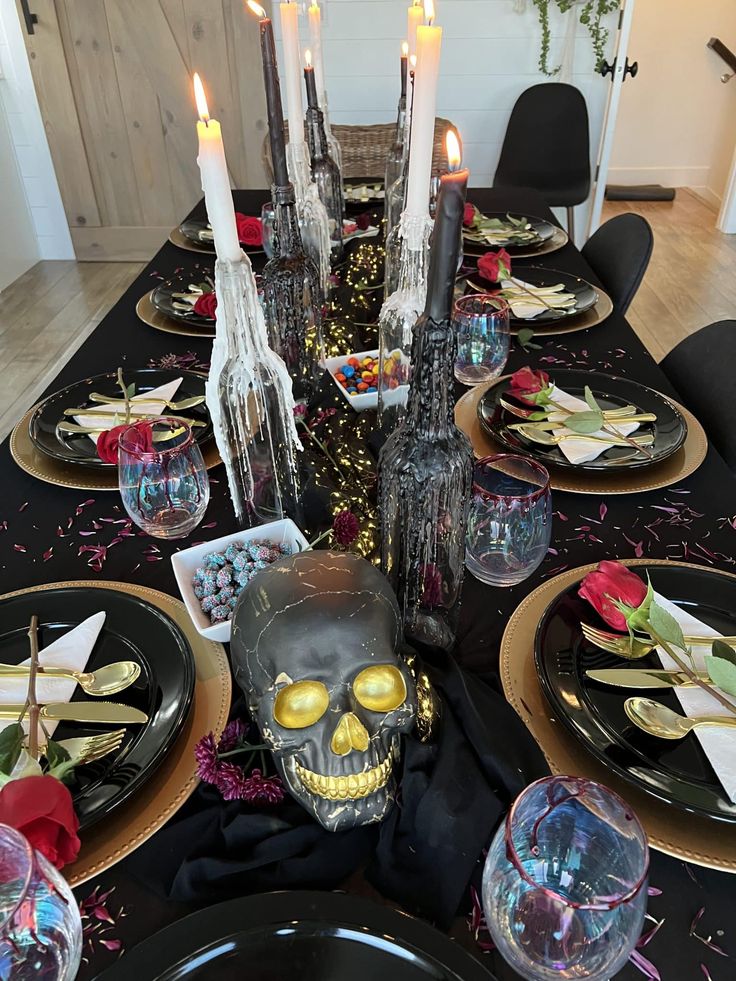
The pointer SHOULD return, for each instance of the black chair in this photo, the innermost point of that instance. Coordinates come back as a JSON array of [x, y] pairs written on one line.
[[619, 253], [547, 147], [702, 368]]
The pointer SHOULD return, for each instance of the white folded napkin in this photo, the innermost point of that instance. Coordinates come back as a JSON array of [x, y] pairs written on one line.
[[524, 306], [70, 651], [718, 743], [143, 403], [582, 450]]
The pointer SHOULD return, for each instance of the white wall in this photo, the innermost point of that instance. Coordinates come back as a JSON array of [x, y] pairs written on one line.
[[677, 121], [20, 105], [18, 247], [490, 53]]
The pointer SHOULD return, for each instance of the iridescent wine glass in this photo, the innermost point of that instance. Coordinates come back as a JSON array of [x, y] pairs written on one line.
[[510, 523], [565, 881], [162, 477], [40, 925], [481, 322]]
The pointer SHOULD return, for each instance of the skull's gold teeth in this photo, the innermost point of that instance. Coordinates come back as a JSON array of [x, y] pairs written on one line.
[[301, 704], [351, 786], [380, 688]]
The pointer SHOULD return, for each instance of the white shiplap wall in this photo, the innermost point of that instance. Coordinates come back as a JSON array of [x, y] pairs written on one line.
[[490, 53]]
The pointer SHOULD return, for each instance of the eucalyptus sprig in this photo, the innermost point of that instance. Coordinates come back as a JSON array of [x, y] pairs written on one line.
[[591, 16]]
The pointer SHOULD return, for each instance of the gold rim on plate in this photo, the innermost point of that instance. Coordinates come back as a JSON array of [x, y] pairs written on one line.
[[679, 466], [51, 471], [557, 241], [596, 315], [147, 312], [695, 839], [134, 822], [180, 240]]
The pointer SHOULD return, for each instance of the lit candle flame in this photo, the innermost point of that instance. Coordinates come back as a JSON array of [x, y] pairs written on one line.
[[429, 11], [413, 62], [418, 3], [308, 58], [199, 98], [314, 6], [257, 9], [404, 49], [454, 154]]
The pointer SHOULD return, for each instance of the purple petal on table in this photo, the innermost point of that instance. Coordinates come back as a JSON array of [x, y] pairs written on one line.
[[100, 913], [646, 937], [653, 891], [561, 516], [638, 546], [706, 973], [20, 548], [603, 510], [48, 554], [112, 944], [23, 506], [696, 919], [3, 526], [645, 966], [212, 524]]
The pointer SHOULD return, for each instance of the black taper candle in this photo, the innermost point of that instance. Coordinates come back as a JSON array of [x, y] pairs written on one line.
[[445, 246], [404, 68], [273, 104], [312, 100]]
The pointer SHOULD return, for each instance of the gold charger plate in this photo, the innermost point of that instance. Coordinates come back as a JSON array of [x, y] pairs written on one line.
[[558, 241], [179, 239], [593, 317], [148, 313], [160, 798], [677, 833], [679, 466], [50, 471]]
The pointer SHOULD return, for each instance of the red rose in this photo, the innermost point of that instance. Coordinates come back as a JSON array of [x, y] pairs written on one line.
[[613, 581], [495, 265], [250, 229], [41, 808], [527, 381], [364, 221], [469, 215], [140, 439], [206, 305]]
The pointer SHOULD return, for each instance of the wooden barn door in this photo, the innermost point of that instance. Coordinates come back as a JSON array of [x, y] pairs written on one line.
[[114, 83]]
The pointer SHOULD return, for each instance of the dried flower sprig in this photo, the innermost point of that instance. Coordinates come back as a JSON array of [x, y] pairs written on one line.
[[236, 782]]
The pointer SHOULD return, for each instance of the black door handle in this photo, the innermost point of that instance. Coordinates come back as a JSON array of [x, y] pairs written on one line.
[[632, 69], [28, 17]]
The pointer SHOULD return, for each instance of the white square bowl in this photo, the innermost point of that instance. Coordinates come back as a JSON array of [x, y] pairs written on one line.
[[186, 563], [358, 402]]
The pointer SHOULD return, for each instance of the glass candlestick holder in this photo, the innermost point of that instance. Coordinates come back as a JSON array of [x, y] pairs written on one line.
[[314, 223], [292, 299], [326, 175]]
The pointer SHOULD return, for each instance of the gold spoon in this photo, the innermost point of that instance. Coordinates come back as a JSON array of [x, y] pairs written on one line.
[[107, 680], [528, 431], [660, 721]]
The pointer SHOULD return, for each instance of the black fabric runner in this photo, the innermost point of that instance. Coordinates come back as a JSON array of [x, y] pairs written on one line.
[[50, 534]]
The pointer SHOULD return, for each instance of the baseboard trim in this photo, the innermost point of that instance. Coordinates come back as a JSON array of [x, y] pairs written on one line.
[[666, 176], [121, 243]]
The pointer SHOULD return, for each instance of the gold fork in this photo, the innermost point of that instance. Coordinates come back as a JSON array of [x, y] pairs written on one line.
[[86, 749], [622, 645], [183, 404]]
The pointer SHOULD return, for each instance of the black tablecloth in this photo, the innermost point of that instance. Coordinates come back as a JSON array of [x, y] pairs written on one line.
[[43, 529]]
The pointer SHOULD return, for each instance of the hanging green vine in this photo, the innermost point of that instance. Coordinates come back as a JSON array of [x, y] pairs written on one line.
[[591, 15]]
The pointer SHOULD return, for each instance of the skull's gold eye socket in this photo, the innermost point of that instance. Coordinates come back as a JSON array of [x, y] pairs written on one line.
[[301, 704], [380, 688]]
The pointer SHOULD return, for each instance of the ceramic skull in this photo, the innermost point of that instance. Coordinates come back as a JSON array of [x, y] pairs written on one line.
[[315, 641]]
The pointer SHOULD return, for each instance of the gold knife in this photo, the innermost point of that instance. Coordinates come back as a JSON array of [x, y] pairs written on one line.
[[93, 712], [643, 678]]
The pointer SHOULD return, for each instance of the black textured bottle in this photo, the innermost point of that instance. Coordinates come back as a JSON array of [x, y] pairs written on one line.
[[426, 465], [325, 172]]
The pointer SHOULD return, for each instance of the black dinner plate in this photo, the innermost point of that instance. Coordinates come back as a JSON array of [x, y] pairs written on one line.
[[676, 771], [163, 298], [133, 631], [78, 448], [585, 294], [319, 936], [544, 231], [670, 429], [192, 227]]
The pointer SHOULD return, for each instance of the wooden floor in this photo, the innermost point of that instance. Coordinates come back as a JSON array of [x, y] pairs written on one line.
[[44, 317], [47, 313], [690, 281]]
